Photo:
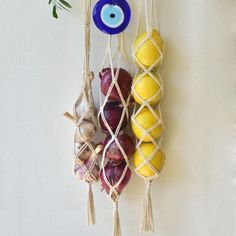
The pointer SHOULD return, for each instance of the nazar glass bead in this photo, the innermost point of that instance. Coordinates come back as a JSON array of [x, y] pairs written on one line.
[[111, 16]]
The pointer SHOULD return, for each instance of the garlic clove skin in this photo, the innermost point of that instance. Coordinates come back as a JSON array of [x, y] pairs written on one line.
[[83, 171], [83, 154], [83, 151], [85, 131], [82, 109]]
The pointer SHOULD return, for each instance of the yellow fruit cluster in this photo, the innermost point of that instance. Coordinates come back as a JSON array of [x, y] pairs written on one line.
[[147, 90]]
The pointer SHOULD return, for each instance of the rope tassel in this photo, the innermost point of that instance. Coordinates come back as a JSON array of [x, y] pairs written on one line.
[[148, 158], [90, 207], [116, 221], [147, 215]]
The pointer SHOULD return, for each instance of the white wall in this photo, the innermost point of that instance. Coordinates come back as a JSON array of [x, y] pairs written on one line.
[[40, 66]]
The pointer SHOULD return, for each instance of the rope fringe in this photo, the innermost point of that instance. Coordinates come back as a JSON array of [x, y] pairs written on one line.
[[147, 224], [84, 113], [115, 57], [116, 221], [146, 27], [90, 207]]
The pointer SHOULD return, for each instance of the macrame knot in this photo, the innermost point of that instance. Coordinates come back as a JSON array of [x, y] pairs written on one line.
[[114, 195], [91, 76], [89, 177], [86, 166], [147, 91]]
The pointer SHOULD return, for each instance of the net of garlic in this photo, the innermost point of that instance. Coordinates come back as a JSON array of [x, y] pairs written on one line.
[[86, 166]]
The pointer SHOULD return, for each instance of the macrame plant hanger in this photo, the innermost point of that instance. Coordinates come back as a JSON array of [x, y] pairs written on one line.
[[110, 58], [112, 17], [84, 118], [150, 10]]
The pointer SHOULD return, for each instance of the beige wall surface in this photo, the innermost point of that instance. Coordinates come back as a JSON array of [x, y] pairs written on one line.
[[40, 66]]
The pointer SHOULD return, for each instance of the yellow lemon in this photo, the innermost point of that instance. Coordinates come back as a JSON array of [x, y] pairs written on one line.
[[147, 53], [157, 161], [146, 119], [147, 88]]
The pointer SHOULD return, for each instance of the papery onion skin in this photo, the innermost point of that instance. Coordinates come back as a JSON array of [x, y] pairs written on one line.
[[112, 112], [113, 172], [80, 172], [124, 80], [113, 152]]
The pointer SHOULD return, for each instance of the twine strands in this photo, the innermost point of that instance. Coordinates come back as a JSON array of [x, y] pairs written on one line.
[[116, 220], [125, 113], [90, 206], [86, 98], [84, 118], [147, 223], [150, 11], [114, 61]]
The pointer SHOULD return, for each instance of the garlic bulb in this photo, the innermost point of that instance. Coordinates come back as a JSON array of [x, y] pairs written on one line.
[[85, 131], [83, 151], [88, 172], [83, 109]]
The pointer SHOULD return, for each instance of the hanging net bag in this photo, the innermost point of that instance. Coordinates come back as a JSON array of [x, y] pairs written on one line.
[[86, 166], [147, 91], [113, 119], [115, 96]]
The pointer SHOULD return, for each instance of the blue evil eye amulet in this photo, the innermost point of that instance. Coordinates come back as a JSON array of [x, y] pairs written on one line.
[[111, 16]]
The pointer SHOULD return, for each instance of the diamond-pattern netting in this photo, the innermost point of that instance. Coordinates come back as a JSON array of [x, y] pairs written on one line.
[[147, 53], [81, 117], [86, 166], [115, 62]]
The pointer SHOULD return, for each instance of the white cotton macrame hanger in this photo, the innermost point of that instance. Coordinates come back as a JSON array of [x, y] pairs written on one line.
[[110, 59], [150, 8]]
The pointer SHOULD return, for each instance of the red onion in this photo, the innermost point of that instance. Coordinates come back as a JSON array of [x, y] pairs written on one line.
[[113, 172], [113, 152], [80, 171], [124, 80], [112, 112]]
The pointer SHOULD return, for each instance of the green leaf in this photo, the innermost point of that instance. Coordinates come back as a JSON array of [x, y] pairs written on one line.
[[54, 12], [59, 5], [62, 7], [66, 4]]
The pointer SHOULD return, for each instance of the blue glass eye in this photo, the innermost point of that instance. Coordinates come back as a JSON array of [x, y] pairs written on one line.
[[111, 16]]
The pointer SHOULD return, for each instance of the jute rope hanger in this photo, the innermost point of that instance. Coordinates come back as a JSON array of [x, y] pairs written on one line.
[[125, 104], [110, 59], [149, 71], [145, 103], [150, 7], [88, 115]]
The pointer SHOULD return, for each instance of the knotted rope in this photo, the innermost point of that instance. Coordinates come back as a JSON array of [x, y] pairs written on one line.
[[84, 118], [114, 60], [150, 11]]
